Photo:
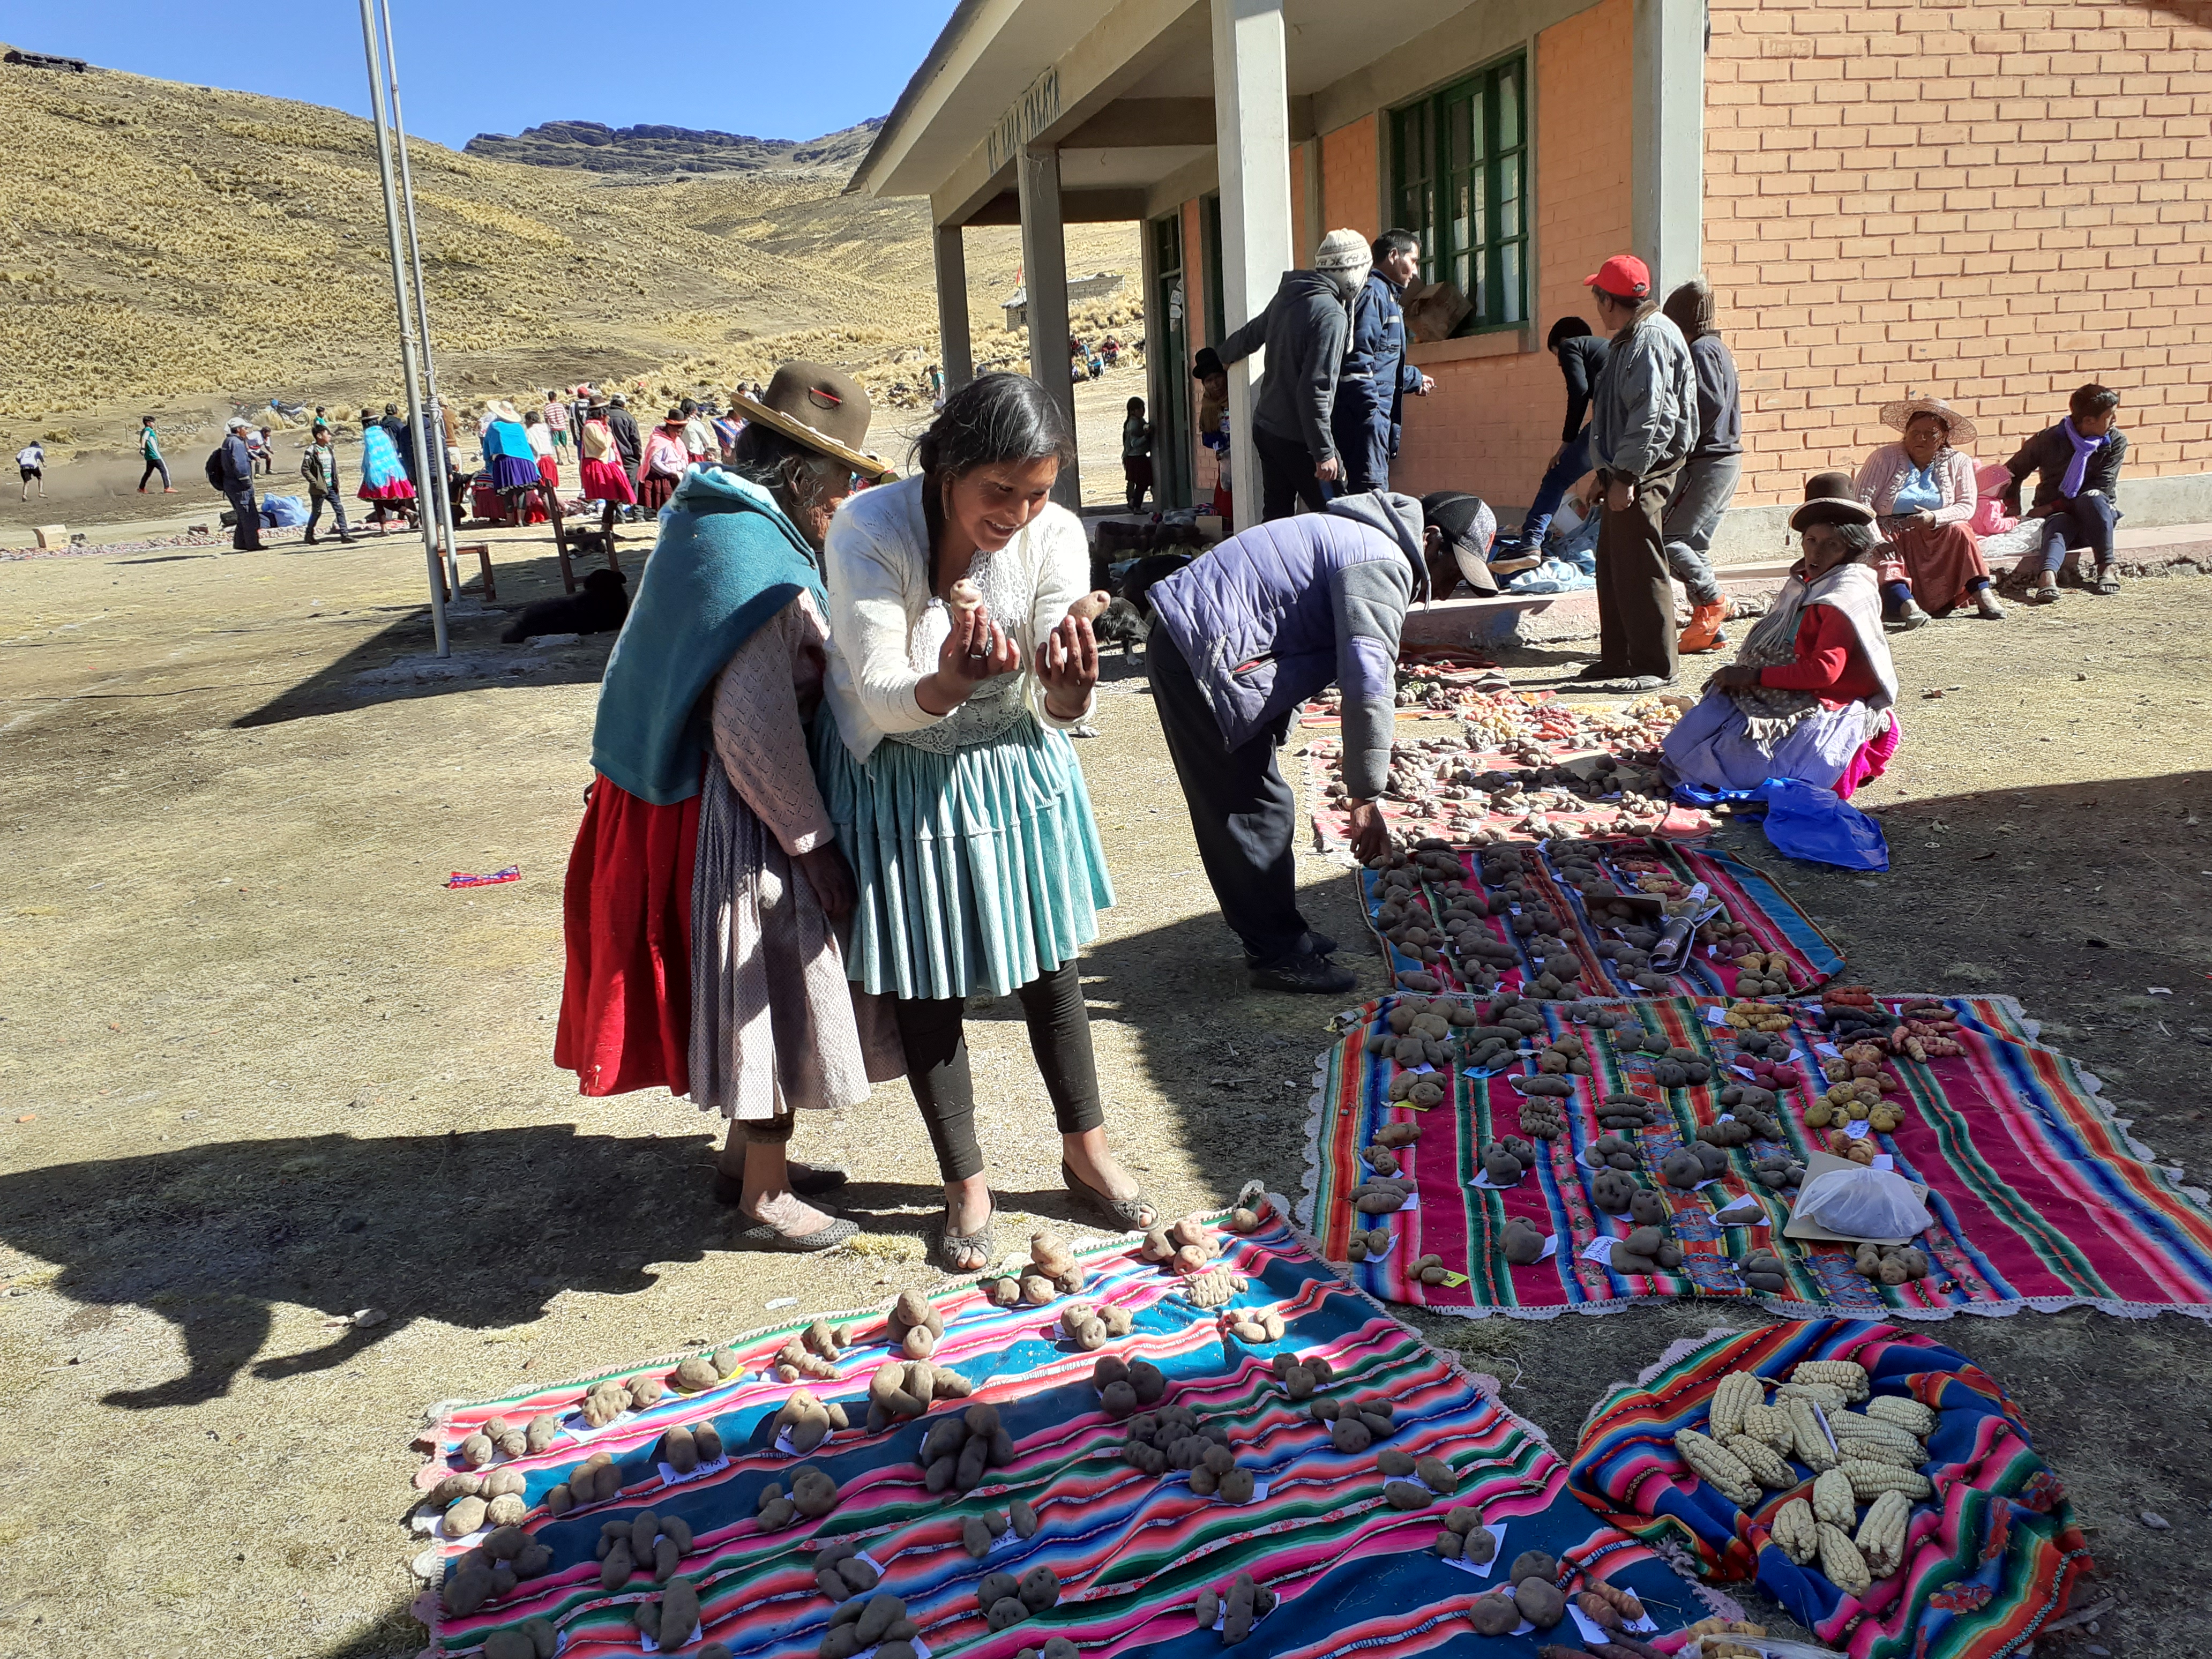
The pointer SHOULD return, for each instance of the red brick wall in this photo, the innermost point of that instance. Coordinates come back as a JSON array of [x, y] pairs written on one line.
[[1351, 187], [1989, 203], [1492, 423]]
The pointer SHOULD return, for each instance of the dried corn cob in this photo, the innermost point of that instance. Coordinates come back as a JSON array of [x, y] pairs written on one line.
[[1869, 1480], [1730, 1396], [1826, 1395], [1883, 1451], [1771, 1425], [1841, 1559], [1765, 1464], [1910, 1415], [1850, 1428], [1846, 1374], [1796, 1531], [1717, 1466], [1881, 1535], [1808, 1440], [1833, 1501]]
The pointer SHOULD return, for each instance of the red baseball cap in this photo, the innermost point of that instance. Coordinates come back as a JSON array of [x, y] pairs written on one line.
[[1624, 276]]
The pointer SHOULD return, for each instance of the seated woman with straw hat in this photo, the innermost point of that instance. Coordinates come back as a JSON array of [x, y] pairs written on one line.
[[1810, 693], [1923, 493], [706, 889]]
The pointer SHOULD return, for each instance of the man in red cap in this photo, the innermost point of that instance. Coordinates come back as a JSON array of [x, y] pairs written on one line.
[[1644, 416]]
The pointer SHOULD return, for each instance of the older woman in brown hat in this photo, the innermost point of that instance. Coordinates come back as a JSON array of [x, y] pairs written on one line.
[[1808, 696], [1922, 492], [706, 889]]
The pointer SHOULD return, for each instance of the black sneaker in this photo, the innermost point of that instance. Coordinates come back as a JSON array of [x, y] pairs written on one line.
[[1320, 944], [1601, 670], [1307, 974]]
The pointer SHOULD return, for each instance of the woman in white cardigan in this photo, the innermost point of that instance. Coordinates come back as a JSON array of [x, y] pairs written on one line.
[[955, 792], [1922, 492]]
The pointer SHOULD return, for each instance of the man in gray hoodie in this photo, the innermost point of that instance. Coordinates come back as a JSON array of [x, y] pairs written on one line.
[[1304, 328], [1245, 635], [1644, 417]]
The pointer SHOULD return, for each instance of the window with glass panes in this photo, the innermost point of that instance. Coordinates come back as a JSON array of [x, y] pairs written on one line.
[[1460, 183]]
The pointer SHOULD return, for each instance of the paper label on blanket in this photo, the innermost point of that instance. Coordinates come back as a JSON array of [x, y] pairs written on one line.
[[1594, 1633], [1599, 1249], [647, 1644], [1858, 1128], [1524, 1626], [1827, 1050], [1374, 1254], [575, 1428], [1482, 1568], [669, 1477], [783, 1443], [1221, 1618], [427, 1523], [1454, 1280], [1424, 1069], [1716, 1016], [920, 1649], [1484, 1183], [1884, 1161]]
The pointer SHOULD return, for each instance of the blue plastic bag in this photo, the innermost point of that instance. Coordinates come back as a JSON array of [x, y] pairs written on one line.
[[1805, 821], [280, 512]]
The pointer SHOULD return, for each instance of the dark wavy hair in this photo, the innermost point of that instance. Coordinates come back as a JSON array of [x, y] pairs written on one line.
[[993, 420]]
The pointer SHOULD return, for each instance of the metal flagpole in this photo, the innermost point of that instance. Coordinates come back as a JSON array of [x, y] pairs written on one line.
[[408, 367], [440, 493]]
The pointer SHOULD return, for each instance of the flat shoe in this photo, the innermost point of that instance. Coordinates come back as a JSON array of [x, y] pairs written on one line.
[[1636, 685], [1127, 1213], [763, 1236], [806, 1180], [982, 1240]]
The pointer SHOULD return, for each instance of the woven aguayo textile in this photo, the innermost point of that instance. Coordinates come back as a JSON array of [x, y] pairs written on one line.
[[2040, 1196], [1750, 898], [1131, 1550], [1990, 1554]]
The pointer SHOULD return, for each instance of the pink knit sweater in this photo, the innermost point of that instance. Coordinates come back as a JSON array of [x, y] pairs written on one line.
[[1888, 467]]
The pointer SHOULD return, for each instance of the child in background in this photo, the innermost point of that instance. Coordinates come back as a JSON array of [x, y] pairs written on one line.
[[1136, 453]]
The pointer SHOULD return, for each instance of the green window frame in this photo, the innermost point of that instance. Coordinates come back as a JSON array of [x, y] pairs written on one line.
[[1460, 183]]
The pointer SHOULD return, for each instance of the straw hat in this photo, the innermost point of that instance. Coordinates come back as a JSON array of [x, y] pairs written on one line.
[[501, 410], [822, 408], [1898, 414]]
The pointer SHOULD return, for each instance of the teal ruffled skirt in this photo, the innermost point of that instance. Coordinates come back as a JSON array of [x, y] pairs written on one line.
[[981, 869]]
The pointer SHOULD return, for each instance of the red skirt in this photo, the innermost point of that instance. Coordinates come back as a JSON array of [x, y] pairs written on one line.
[[626, 912], [606, 482], [654, 491], [549, 472]]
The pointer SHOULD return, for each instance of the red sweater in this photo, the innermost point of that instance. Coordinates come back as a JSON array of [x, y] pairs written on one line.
[[1830, 663]]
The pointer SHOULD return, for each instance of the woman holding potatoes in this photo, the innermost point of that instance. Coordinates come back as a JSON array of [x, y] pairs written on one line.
[[956, 672], [1809, 694]]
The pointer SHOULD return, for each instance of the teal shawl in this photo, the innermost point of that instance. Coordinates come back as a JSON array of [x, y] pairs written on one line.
[[727, 561]]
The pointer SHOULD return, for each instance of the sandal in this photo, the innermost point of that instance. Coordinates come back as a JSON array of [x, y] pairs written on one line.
[[765, 1236], [2044, 593], [2108, 579], [806, 1180], [1128, 1214], [981, 1240]]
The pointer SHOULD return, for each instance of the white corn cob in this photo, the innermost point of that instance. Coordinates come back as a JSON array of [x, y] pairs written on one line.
[[1853, 1427], [1833, 1500], [1771, 1423], [1809, 1444], [1826, 1395], [1882, 1535], [1841, 1561], [1733, 1392], [1717, 1466], [1796, 1531], [1765, 1464], [1846, 1374], [1883, 1451], [1869, 1480], [1910, 1415]]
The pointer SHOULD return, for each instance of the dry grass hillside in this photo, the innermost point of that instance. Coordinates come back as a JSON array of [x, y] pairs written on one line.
[[167, 248]]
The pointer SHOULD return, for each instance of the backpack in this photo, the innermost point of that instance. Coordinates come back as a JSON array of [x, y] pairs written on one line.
[[216, 475]]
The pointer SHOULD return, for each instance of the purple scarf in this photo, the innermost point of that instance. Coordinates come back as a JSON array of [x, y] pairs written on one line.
[[2078, 468]]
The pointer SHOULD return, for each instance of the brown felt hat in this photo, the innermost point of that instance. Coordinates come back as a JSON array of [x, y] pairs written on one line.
[[1830, 498], [824, 409]]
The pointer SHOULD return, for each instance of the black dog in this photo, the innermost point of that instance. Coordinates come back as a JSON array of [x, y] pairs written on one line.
[[1137, 580], [599, 609]]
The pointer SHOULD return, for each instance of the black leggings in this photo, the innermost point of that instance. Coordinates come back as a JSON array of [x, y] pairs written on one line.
[[937, 1064]]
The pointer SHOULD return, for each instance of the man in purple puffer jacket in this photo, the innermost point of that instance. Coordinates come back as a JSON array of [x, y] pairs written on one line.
[[1246, 634]]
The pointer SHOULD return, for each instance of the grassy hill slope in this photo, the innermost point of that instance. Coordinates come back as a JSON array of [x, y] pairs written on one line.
[[167, 247], [597, 148]]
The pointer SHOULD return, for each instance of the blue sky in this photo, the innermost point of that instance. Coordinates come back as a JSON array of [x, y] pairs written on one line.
[[775, 70]]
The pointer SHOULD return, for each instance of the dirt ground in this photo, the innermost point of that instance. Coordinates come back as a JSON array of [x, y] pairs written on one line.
[[260, 1070]]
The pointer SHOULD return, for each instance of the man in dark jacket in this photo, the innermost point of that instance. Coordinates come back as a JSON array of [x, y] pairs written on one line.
[[2077, 487], [1244, 635], [237, 484], [1303, 328], [1372, 384], [403, 439], [1581, 354], [1709, 477], [621, 427]]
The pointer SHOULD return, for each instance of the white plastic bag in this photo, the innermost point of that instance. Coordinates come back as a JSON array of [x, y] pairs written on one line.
[[1863, 1203]]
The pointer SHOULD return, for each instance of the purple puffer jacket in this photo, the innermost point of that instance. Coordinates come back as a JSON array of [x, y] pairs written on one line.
[[1270, 617]]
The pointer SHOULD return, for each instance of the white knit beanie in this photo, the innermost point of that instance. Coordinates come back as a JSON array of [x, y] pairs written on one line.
[[1343, 250]]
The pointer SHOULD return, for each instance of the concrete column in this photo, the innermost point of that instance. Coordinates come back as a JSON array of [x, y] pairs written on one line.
[[954, 356], [1044, 275], [1252, 135], [1667, 190]]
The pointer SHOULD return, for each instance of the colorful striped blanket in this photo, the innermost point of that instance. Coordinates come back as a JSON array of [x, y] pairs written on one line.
[[2040, 1196], [1749, 897], [1131, 1550], [1988, 1557]]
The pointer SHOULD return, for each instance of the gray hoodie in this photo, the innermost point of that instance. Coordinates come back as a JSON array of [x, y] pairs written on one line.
[[1644, 412], [1304, 328]]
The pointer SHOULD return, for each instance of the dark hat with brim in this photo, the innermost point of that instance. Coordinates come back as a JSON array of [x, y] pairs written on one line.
[[824, 409], [1830, 498]]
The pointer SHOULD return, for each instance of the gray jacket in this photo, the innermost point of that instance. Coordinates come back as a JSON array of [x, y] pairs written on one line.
[[1643, 415], [1304, 328]]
